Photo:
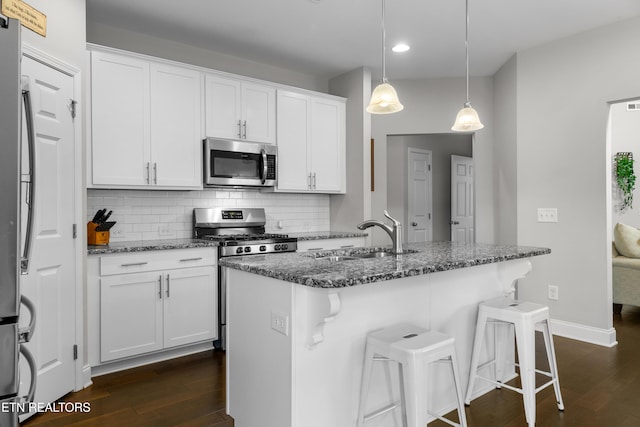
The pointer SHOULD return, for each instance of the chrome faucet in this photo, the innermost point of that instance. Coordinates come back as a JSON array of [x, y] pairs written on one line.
[[394, 232]]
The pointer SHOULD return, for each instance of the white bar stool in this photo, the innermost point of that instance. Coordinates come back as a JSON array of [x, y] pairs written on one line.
[[412, 347], [523, 316]]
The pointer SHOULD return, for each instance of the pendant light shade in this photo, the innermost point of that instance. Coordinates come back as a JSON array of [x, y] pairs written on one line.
[[384, 99], [467, 119]]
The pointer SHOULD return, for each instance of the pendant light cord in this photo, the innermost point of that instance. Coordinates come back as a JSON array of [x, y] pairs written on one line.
[[466, 45], [384, 43]]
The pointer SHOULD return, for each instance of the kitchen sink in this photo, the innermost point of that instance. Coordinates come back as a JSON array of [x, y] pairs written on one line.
[[337, 258], [376, 254]]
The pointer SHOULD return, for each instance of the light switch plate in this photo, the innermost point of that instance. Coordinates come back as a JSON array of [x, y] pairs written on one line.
[[547, 215]]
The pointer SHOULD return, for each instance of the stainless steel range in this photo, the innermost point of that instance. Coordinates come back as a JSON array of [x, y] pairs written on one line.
[[238, 231]]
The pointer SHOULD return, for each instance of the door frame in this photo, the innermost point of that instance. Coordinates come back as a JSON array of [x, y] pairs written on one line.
[[429, 201], [82, 368]]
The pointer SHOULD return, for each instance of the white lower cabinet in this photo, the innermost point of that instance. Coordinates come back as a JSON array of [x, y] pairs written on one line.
[[145, 309]]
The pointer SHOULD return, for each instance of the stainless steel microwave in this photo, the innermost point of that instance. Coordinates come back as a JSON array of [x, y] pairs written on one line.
[[229, 163]]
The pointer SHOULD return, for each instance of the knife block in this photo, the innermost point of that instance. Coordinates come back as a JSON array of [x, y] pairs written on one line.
[[96, 237]]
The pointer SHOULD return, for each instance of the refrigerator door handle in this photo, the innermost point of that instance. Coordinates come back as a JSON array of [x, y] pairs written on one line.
[[30, 178], [34, 374], [26, 333]]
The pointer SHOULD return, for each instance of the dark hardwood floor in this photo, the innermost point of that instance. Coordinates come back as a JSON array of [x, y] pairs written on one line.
[[600, 387]]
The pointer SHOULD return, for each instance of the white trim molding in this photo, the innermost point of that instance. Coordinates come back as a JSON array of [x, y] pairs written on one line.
[[598, 336]]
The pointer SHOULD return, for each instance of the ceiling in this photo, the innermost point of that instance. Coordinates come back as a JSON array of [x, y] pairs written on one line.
[[328, 37]]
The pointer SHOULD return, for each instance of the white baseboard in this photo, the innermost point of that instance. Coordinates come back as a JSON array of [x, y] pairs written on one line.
[[603, 337], [86, 376], [133, 362]]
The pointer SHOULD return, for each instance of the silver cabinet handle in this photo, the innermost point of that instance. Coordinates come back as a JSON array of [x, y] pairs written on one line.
[[415, 224], [191, 259], [314, 249], [168, 285], [309, 181], [155, 173], [132, 264], [454, 222], [346, 246], [30, 178], [314, 180], [244, 132], [239, 128], [160, 286], [148, 174]]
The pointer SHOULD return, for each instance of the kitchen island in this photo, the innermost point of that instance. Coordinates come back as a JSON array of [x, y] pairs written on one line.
[[297, 324]]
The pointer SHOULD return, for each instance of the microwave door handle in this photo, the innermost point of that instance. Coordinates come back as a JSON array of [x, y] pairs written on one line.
[[30, 178], [264, 165]]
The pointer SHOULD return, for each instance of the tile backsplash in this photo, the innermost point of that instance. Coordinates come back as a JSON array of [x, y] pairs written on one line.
[[151, 215]]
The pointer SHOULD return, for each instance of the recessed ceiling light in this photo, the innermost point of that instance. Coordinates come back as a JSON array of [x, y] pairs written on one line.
[[400, 47]]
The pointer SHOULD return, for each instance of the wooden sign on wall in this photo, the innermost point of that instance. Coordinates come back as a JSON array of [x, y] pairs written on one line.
[[29, 16]]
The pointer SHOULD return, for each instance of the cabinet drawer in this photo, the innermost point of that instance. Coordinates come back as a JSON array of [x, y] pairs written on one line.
[[156, 260]]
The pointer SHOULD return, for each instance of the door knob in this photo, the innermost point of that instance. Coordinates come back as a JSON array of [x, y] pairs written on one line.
[[414, 224]]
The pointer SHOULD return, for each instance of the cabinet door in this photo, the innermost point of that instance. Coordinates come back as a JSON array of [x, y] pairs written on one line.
[[119, 119], [176, 146], [190, 306], [327, 146], [293, 137], [222, 107], [130, 315], [258, 113]]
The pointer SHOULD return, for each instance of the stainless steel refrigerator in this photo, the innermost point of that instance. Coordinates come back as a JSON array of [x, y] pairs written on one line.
[[14, 243]]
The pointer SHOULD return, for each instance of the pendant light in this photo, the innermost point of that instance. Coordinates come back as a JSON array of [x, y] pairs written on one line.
[[467, 118], [384, 99]]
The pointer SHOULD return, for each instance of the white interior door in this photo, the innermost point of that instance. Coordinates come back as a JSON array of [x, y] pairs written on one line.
[[462, 211], [419, 219], [50, 282]]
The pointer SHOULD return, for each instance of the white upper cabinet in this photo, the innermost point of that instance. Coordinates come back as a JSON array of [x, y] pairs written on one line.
[[311, 143], [146, 123], [241, 110], [176, 139]]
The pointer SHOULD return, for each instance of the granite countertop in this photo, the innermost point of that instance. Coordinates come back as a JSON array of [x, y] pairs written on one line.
[[156, 245], [148, 245], [319, 235], [310, 270]]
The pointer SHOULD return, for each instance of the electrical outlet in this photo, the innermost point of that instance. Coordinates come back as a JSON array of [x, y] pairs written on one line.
[[280, 323], [553, 292], [547, 215], [115, 232], [164, 230]]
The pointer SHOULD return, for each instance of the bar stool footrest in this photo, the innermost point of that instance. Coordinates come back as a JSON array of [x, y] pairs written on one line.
[[381, 411]]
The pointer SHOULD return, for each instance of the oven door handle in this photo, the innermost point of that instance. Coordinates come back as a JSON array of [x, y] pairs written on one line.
[[263, 155]]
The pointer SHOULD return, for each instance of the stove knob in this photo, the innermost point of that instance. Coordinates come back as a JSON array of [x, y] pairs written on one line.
[[263, 248], [285, 247], [239, 250], [247, 249], [276, 247]]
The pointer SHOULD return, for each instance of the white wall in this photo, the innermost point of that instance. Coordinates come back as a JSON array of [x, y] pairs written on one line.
[[152, 215], [442, 147], [430, 107], [505, 153], [625, 137], [347, 210], [163, 48], [563, 90]]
